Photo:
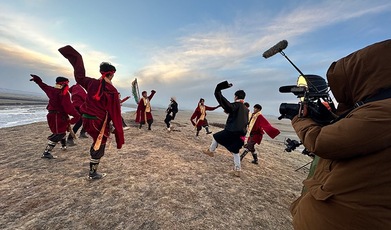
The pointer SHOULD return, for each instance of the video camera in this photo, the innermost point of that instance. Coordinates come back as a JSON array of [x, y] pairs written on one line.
[[312, 90], [291, 145]]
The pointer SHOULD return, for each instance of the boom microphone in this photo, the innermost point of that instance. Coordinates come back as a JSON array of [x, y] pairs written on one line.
[[279, 47]]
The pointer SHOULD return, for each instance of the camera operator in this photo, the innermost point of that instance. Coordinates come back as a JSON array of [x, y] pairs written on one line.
[[351, 185]]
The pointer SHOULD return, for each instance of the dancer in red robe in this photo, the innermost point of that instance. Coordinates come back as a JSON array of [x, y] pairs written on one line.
[[257, 126], [102, 105], [198, 118], [144, 110], [59, 108]]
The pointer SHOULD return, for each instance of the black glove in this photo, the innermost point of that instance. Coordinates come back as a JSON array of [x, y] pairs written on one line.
[[35, 78], [223, 85]]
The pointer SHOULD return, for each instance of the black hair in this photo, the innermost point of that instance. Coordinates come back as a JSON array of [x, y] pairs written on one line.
[[106, 67], [258, 106], [240, 94], [246, 104], [61, 79]]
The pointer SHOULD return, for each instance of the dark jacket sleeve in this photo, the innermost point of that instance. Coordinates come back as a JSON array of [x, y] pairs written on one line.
[[225, 104]]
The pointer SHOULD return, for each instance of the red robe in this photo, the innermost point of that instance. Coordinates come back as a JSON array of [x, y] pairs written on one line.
[[59, 107], [261, 126], [108, 103], [78, 95], [141, 114], [197, 114]]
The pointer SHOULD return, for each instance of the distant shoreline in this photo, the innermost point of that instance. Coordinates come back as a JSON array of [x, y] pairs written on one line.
[[21, 101], [16, 99]]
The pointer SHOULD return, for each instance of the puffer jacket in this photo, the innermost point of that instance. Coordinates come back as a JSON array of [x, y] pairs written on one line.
[[351, 185]]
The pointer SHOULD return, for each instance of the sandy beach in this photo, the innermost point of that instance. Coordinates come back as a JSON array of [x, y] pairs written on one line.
[[158, 180]]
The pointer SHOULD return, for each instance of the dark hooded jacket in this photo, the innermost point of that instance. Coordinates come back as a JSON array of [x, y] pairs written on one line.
[[351, 186]]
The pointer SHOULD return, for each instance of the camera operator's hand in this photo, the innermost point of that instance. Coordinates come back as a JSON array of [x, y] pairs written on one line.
[[319, 113]]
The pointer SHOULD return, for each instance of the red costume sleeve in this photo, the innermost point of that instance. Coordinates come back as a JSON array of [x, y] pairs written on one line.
[[125, 99], [195, 116], [140, 111], [267, 127], [69, 108], [152, 94], [211, 108]]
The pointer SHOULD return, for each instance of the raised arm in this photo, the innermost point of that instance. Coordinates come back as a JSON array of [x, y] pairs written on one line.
[[224, 103], [76, 61], [152, 94]]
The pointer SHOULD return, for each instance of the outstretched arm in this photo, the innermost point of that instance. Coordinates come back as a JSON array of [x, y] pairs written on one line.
[[39, 82], [124, 99], [211, 108]]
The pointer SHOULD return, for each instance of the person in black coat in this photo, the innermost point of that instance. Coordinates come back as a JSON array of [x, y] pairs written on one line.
[[171, 111], [232, 136]]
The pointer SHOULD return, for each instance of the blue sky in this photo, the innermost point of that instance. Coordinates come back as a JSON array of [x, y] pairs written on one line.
[[184, 48]]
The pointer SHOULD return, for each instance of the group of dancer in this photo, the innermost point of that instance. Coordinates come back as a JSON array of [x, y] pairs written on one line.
[[95, 107]]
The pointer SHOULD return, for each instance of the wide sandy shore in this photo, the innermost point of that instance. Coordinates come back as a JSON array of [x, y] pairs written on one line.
[[158, 180]]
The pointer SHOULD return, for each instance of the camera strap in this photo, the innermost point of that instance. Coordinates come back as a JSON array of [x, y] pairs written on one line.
[[383, 94]]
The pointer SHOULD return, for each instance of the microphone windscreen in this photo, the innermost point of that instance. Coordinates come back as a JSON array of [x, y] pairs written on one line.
[[276, 49]]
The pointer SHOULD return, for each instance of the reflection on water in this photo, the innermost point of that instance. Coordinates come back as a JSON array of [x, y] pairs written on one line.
[[20, 115]]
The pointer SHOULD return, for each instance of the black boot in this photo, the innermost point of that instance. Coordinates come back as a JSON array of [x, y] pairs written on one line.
[[93, 174], [70, 141], [64, 144], [141, 125], [255, 156], [149, 126], [47, 153], [207, 130], [243, 154], [83, 133], [197, 133]]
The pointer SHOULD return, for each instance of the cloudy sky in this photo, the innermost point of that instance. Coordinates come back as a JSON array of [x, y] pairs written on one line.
[[183, 48]]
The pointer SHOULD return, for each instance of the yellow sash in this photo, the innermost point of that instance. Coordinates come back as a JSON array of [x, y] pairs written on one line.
[[147, 105], [202, 109], [252, 122]]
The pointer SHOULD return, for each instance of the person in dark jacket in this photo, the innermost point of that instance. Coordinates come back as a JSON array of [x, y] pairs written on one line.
[[171, 111], [232, 136], [59, 108], [351, 185]]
